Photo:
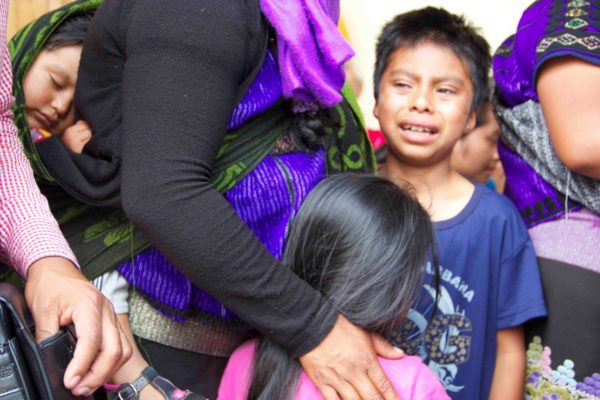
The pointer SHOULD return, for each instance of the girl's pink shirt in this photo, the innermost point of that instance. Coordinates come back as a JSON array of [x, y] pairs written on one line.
[[410, 377]]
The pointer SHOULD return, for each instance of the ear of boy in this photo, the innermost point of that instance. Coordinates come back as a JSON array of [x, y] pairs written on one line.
[[471, 122]]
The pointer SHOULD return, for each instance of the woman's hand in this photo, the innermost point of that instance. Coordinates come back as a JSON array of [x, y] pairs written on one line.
[[57, 295], [345, 366]]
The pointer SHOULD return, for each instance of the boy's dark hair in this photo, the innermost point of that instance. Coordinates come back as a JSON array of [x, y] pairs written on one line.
[[70, 32], [363, 243], [438, 26]]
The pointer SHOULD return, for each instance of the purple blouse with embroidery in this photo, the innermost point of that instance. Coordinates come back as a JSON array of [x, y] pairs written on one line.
[[547, 29]]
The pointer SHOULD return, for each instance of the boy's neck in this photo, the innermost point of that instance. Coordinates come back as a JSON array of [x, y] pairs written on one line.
[[440, 189]]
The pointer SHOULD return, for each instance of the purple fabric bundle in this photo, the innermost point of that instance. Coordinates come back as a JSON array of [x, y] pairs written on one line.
[[312, 51], [535, 199], [263, 93]]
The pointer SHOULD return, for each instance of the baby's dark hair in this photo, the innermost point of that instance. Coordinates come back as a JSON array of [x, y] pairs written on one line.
[[438, 26], [70, 32], [363, 243]]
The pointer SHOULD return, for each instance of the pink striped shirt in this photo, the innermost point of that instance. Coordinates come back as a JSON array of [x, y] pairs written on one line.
[[28, 232]]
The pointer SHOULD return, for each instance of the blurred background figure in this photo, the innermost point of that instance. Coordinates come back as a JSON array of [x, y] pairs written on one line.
[[475, 155]]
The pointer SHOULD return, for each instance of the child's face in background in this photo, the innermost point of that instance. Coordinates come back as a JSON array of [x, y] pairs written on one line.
[[424, 103], [476, 155], [49, 88]]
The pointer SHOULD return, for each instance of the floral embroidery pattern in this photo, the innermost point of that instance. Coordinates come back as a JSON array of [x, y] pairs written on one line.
[[543, 382], [567, 39]]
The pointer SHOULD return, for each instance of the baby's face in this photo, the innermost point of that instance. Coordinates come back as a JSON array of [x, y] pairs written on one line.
[[49, 88]]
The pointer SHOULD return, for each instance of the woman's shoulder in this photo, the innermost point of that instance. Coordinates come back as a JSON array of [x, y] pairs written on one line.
[[245, 352], [412, 379], [237, 372]]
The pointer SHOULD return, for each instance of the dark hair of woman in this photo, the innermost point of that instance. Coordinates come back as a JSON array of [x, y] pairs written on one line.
[[363, 243], [309, 128], [71, 32]]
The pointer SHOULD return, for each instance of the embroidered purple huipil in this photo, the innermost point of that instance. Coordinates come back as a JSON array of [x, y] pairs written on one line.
[[547, 29], [539, 184], [266, 200]]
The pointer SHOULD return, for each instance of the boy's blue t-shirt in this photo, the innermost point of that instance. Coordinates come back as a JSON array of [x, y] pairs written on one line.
[[489, 281]]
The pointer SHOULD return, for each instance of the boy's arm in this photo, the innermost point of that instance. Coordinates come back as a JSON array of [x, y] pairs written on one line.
[[509, 373]]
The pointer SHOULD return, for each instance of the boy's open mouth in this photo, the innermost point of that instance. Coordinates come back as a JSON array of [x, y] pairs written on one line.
[[418, 129]]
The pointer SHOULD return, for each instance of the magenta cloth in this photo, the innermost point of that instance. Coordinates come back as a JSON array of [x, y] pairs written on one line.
[[312, 51], [409, 376]]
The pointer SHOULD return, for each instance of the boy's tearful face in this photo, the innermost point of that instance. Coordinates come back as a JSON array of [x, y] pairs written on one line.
[[424, 103], [49, 87]]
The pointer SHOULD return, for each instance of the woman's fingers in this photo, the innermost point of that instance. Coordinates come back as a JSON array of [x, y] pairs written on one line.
[[337, 388], [346, 362], [328, 393], [383, 385], [384, 349], [58, 295], [368, 388], [108, 352]]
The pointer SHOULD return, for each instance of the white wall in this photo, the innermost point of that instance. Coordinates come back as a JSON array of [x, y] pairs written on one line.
[[365, 18]]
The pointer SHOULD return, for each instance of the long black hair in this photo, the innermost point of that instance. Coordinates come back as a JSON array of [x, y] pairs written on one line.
[[363, 243]]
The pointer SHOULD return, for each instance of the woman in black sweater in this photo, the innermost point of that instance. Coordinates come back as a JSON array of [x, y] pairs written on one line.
[[158, 83]]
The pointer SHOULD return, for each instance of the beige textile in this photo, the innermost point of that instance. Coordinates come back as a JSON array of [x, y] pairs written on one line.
[[215, 338], [21, 12]]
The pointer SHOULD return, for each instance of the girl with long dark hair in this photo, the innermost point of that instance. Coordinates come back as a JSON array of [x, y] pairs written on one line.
[[363, 243]]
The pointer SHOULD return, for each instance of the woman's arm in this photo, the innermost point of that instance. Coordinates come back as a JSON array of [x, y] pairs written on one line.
[[569, 93], [183, 65], [509, 372]]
